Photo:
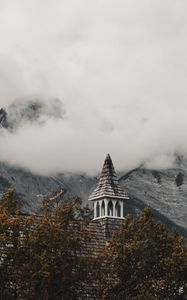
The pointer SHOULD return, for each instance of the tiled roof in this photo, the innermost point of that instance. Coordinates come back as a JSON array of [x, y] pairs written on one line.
[[108, 185], [101, 232]]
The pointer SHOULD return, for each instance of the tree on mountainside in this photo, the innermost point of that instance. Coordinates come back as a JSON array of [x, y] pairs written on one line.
[[146, 261], [11, 202]]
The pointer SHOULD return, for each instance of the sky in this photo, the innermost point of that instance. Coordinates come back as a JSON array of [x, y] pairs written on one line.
[[119, 71]]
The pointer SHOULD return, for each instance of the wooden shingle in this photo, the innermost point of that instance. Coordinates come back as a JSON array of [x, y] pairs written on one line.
[[108, 185]]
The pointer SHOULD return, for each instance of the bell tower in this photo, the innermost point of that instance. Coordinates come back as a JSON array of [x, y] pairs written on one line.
[[108, 197]]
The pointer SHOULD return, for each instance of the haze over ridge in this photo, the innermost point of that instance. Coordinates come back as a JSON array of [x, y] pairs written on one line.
[[119, 70]]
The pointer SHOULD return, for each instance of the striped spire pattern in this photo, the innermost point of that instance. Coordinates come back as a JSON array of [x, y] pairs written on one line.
[[108, 185]]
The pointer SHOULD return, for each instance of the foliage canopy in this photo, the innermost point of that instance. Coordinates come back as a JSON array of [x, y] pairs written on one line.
[[44, 257], [147, 261], [39, 255]]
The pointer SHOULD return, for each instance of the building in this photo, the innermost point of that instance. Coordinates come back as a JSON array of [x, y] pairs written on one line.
[[108, 201], [108, 197]]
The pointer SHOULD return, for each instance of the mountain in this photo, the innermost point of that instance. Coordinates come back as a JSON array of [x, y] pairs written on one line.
[[3, 119], [164, 190], [22, 112], [32, 188]]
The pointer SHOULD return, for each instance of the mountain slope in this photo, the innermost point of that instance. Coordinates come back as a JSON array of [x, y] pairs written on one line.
[[30, 112], [165, 191], [31, 188]]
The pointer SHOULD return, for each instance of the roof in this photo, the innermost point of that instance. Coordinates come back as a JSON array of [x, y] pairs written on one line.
[[108, 185], [100, 233]]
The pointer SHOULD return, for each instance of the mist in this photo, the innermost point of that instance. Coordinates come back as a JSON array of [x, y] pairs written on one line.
[[118, 73]]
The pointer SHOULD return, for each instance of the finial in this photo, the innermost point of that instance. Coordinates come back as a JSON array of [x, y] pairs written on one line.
[[108, 156]]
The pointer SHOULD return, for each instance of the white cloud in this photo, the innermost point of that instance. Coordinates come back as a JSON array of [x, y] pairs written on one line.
[[120, 69]]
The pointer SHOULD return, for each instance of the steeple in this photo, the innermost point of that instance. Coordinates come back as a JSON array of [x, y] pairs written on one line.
[[108, 197]]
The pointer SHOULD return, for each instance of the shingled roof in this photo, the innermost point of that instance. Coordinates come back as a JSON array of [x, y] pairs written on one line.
[[108, 185], [100, 232]]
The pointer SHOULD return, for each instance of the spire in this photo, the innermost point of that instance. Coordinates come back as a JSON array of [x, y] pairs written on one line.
[[108, 185]]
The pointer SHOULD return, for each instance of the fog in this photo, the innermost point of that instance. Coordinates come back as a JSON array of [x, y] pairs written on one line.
[[118, 70]]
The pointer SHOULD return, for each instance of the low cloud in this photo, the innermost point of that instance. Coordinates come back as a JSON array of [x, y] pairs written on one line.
[[23, 112], [80, 142], [118, 70]]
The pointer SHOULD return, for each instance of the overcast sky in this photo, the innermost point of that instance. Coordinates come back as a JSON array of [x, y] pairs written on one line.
[[119, 68]]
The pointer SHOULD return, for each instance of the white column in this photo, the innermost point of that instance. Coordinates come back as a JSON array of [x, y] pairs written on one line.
[[114, 207], [106, 207], [95, 205], [121, 204], [100, 208]]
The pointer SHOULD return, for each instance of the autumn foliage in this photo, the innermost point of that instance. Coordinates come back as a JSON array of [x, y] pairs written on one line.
[[43, 257], [39, 255], [147, 261]]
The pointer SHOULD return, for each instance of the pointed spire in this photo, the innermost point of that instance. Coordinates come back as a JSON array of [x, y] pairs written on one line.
[[108, 185]]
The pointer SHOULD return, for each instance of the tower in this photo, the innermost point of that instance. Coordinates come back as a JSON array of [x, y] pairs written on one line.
[[108, 197]]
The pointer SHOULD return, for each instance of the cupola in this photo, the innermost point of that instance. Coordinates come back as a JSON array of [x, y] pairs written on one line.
[[108, 197]]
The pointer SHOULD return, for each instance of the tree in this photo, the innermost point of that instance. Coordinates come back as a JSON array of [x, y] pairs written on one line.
[[11, 228], [40, 256], [11, 202], [146, 261]]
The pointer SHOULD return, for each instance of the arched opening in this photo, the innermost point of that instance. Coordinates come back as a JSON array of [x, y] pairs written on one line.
[[97, 210], [118, 209], [103, 209], [110, 208]]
